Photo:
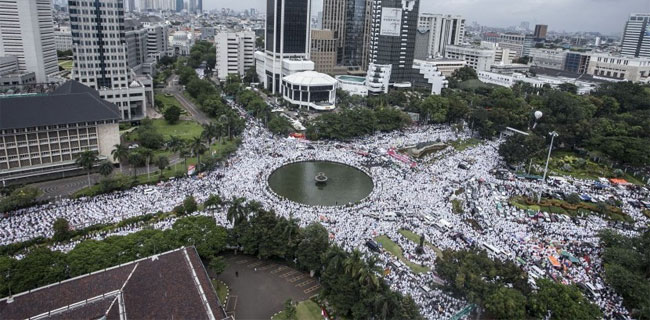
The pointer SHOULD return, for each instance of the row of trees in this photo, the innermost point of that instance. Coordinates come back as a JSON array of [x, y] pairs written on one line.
[[354, 122], [627, 269], [42, 266], [256, 106], [352, 284], [502, 289]]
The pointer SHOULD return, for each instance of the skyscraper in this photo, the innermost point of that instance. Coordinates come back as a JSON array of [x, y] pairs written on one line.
[[27, 32], [357, 33], [179, 5], [636, 36], [440, 31], [540, 31], [393, 37], [287, 41], [334, 19], [100, 49]]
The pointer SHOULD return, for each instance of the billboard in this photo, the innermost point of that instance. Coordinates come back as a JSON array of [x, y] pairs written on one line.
[[391, 22]]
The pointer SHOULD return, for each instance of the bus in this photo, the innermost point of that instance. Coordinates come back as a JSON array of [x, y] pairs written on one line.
[[491, 248]]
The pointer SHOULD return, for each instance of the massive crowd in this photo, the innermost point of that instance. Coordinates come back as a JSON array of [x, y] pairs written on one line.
[[420, 196]]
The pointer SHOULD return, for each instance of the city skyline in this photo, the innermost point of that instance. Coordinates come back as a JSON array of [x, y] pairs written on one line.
[[559, 15]]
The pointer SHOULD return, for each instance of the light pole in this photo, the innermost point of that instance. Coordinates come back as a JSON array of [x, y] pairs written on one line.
[[553, 134]]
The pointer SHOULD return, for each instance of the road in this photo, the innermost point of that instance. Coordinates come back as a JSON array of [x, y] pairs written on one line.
[[188, 105]]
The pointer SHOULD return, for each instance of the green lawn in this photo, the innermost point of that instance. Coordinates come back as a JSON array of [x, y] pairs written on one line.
[[306, 310], [408, 234], [563, 207], [222, 290], [66, 64], [579, 167], [184, 129], [461, 145], [457, 206], [168, 100], [392, 247]]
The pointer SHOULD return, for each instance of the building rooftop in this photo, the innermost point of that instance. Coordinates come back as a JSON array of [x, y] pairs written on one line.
[[164, 286], [310, 78], [358, 79], [70, 103]]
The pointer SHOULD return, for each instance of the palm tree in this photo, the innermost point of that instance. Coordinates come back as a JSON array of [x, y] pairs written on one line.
[[353, 264], [105, 168], [134, 159], [198, 148], [237, 211], [367, 274], [225, 123], [162, 162], [210, 131], [175, 144], [185, 153], [120, 152], [147, 154], [87, 160]]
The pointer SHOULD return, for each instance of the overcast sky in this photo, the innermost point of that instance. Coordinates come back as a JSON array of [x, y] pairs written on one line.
[[607, 16]]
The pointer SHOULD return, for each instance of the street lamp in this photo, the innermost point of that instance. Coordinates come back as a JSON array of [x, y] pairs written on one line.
[[553, 134], [538, 115]]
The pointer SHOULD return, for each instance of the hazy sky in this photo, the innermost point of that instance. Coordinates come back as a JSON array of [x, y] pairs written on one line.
[[607, 16]]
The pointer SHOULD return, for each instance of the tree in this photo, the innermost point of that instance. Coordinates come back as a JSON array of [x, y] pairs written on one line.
[[135, 158], [198, 148], [87, 160], [147, 154], [190, 204], [563, 301], [506, 303], [313, 245], [518, 147], [105, 168], [172, 114], [573, 198], [434, 109], [236, 212], [120, 152], [61, 229], [213, 200], [162, 162], [202, 232], [289, 310], [176, 144], [218, 264], [568, 87]]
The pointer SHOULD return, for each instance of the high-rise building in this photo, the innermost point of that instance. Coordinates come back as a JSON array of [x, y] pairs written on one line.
[[63, 39], [392, 35], [102, 53], [235, 53], [439, 31], [27, 32], [636, 36], [179, 5], [287, 42], [323, 50], [540, 31], [357, 33], [157, 40], [334, 19], [199, 6]]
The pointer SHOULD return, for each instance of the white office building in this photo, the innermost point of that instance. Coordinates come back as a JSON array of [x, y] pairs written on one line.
[[63, 39], [432, 76], [548, 58], [235, 53], [157, 40], [619, 68], [636, 36], [435, 32], [101, 55], [378, 78], [181, 43], [479, 59], [27, 32], [310, 89], [287, 42]]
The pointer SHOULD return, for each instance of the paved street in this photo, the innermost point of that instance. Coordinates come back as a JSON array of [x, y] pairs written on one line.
[[263, 286], [188, 105]]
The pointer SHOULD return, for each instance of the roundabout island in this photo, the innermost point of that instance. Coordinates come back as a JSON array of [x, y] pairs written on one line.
[[320, 183]]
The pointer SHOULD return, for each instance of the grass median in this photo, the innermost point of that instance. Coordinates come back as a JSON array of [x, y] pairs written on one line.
[[392, 247]]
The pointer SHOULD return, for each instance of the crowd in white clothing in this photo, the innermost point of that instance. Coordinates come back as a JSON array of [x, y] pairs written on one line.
[[421, 196]]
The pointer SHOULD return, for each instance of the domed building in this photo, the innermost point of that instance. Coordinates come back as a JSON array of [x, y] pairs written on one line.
[[311, 89]]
